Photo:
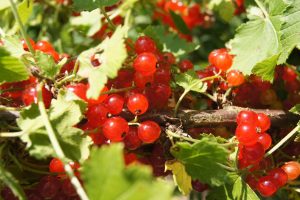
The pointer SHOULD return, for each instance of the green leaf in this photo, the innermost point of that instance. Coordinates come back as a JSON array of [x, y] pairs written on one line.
[[180, 177], [11, 68], [295, 109], [47, 65], [25, 9], [91, 19], [4, 4], [203, 160], [259, 38], [290, 30], [266, 68], [63, 115], [179, 23], [170, 41], [120, 183], [242, 191], [190, 82], [90, 5], [113, 54], [126, 5], [14, 46], [8, 179], [225, 8]]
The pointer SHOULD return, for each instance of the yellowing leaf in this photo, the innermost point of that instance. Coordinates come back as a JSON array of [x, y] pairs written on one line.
[[181, 178]]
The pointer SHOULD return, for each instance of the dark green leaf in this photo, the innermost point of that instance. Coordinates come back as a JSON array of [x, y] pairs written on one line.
[[120, 183], [179, 23], [90, 5], [190, 82], [170, 41], [47, 65], [63, 114], [203, 160]]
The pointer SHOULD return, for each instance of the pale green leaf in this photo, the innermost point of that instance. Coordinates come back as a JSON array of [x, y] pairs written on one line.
[[242, 191], [11, 68], [203, 160], [290, 30], [91, 19], [47, 65], [13, 46], [259, 38], [4, 4], [25, 9], [266, 68], [90, 5], [126, 5], [120, 183], [63, 116], [190, 82], [180, 177]]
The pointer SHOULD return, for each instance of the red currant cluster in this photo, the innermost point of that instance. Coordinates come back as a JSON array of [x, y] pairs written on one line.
[[253, 142]]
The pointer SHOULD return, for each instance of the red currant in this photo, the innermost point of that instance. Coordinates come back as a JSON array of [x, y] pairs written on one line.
[[266, 186], [25, 46], [79, 89], [265, 139], [235, 78], [145, 63], [114, 103], [131, 140], [292, 169], [185, 65], [246, 116], [253, 154], [144, 44], [149, 131], [279, 176], [56, 166], [44, 46], [48, 187], [137, 104], [142, 81], [221, 59], [97, 115], [263, 122], [246, 134], [115, 129]]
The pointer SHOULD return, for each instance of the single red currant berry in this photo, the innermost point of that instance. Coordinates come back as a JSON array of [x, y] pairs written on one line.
[[246, 116], [56, 166], [100, 99], [29, 96], [79, 89], [131, 140], [185, 65], [144, 44], [266, 186], [44, 46], [149, 131], [253, 153], [289, 74], [235, 78], [142, 81], [114, 103], [130, 158], [221, 59], [263, 122], [279, 176], [97, 114], [145, 63], [169, 57], [98, 138], [137, 104], [252, 181], [162, 75], [48, 187], [292, 169], [246, 134], [265, 139], [115, 129]]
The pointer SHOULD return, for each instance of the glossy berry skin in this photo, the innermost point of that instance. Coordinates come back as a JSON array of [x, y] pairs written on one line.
[[246, 116], [100, 99], [114, 103], [144, 44], [130, 158], [131, 140], [169, 58], [266, 186], [145, 63], [79, 89], [97, 115], [235, 78], [263, 122], [56, 166], [246, 134], [221, 59], [279, 176], [44, 46], [137, 104], [115, 129], [253, 154], [149, 131], [29, 96], [185, 65], [25, 46], [292, 169], [142, 81], [265, 139], [48, 186]]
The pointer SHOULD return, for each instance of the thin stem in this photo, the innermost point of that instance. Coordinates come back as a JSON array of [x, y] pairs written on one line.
[[175, 135], [261, 6], [133, 124], [56, 146], [111, 24], [22, 28], [117, 90], [4, 108], [283, 140], [179, 101], [76, 66], [11, 134], [210, 77], [209, 96], [64, 80], [227, 167]]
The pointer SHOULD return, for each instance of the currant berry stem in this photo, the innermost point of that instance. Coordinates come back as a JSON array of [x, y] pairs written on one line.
[[283, 140], [22, 28], [175, 135], [56, 146]]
